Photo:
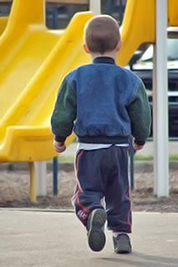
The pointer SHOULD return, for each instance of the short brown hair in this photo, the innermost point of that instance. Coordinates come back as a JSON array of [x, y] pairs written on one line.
[[102, 34]]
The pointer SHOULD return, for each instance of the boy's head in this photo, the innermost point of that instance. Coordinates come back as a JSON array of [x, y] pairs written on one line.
[[102, 35]]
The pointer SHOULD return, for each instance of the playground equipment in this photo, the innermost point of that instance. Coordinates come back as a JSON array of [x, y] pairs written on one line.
[[34, 61], [146, 22], [172, 12], [3, 23], [139, 25]]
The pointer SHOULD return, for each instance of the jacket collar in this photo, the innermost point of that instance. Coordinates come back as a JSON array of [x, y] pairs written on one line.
[[104, 60]]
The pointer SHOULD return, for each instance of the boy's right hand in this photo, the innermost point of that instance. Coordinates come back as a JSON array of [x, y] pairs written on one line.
[[59, 147]]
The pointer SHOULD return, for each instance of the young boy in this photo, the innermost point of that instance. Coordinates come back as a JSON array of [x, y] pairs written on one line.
[[104, 104]]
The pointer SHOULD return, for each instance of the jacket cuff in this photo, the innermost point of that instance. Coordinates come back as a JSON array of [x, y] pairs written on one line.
[[140, 143], [60, 139]]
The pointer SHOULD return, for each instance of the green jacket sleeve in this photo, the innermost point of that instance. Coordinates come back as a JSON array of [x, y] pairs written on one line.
[[140, 115], [65, 111]]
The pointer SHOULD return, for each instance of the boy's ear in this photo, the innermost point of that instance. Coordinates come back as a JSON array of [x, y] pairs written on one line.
[[87, 50], [119, 45]]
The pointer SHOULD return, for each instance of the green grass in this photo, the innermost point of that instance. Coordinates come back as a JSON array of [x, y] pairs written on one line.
[[62, 158], [173, 157], [143, 157]]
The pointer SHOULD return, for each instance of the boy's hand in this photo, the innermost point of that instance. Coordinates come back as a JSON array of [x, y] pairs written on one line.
[[137, 147], [59, 147]]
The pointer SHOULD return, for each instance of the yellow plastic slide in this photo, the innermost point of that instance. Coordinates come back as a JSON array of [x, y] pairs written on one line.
[[139, 26], [3, 23], [33, 62], [172, 12]]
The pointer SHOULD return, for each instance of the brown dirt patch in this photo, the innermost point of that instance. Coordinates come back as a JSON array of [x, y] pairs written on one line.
[[14, 192]]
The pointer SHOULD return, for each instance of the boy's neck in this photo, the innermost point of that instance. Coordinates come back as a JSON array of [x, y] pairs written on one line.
[[112, 54]]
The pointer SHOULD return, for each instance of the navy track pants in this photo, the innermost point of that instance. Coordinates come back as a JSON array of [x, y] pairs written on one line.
[[102, 182]]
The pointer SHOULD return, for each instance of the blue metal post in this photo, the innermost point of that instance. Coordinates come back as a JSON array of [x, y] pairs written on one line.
[[55, 176], [110, 7], [55, 17], [132, 170], [131, 155]]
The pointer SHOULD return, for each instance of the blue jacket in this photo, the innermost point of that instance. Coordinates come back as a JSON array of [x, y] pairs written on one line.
[[102, 103]]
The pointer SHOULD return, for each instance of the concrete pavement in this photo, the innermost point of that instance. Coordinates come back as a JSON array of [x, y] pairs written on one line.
[[57, 239]]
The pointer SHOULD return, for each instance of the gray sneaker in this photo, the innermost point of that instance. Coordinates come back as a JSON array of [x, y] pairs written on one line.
[[95, 227], [122, 244]]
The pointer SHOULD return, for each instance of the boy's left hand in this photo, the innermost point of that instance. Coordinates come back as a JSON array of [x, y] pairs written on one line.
[[137, 147], [59, 147]]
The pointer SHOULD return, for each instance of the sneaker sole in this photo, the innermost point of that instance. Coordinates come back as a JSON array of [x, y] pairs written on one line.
[[123, 249], [96, 235]]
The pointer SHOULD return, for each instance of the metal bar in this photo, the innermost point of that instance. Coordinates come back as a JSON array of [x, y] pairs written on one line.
[[131, 153], [54, 17], [110, 7], [95, 6], [160, 104], [41, 178], [64, 2], [132, 181], [154, 120], [55, 176], [33, 183]]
